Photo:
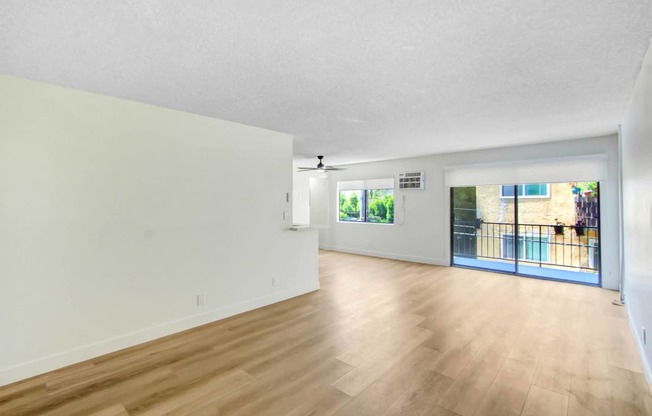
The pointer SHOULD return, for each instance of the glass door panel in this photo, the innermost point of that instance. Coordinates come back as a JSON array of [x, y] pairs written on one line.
[[558, 225], [483, 228]]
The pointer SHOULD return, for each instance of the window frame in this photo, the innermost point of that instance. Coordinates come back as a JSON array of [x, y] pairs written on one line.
[[521, 191]]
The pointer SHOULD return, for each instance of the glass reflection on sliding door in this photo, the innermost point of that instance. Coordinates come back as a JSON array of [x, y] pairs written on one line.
[[483, 228]]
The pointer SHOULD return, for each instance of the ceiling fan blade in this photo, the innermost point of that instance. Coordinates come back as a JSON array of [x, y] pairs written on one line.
[[320, 167]]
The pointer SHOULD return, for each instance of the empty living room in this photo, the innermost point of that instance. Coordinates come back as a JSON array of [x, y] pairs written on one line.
[[325, 208]]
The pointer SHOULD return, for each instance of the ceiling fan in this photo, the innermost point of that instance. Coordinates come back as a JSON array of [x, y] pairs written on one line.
[[320, 167]]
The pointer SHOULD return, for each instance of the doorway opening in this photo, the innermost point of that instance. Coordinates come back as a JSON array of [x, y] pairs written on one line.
[[543, 230]]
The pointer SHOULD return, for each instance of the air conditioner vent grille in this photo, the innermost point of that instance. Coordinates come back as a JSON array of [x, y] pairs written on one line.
[[412, 180]]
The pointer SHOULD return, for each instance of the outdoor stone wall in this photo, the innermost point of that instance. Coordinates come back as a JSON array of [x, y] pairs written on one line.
[[587, 210], [559, 205]]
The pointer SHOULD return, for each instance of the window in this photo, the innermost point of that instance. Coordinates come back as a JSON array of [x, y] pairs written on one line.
[[530, 190], [373, 201], [530, 247], [593, 257], [352, 205]]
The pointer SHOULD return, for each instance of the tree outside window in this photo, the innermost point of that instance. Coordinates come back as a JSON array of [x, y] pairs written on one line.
[[369, 205], [350, 205]]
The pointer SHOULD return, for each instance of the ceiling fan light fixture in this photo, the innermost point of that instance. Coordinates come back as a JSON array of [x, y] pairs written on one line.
[[320, 167]]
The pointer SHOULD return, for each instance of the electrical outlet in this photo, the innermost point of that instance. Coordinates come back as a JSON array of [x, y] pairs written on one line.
[[200, 300], [644, 337]]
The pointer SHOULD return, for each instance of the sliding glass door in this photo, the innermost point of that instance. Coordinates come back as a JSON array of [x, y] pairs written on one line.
[[546, 230]]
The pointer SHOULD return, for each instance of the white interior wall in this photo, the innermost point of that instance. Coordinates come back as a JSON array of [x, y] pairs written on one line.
[[421, 231], [636, 145], [319, 200], [417, 235], [115, 215], [300, 196], [579, 168]]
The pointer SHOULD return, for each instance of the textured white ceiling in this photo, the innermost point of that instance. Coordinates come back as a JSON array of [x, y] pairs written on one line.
[[353, 80]]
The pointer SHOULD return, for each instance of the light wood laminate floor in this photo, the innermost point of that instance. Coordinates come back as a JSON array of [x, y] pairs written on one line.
[[381, 337]]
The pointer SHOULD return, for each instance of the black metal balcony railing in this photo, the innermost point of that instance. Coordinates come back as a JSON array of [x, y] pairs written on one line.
[[542, 245]]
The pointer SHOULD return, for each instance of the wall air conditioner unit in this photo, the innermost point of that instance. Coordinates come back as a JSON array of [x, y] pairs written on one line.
[[412, 180]]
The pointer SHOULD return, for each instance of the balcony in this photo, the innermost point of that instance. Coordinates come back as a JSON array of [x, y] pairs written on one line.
[[558, 252]]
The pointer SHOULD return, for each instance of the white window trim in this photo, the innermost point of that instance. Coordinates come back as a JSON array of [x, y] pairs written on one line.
[[547, 195]]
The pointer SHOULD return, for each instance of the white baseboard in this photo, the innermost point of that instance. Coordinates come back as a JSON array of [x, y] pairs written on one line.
[[386, 255], [639, 346], [85, 352]]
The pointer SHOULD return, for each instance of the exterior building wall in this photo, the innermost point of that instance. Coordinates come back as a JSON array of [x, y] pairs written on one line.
[[532, 210]]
